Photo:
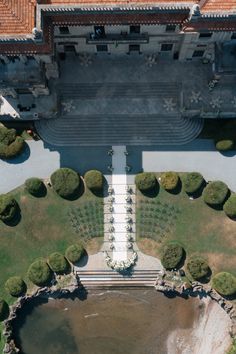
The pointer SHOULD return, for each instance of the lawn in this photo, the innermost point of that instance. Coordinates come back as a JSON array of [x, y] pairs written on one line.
[[48, 224], [198, 227]]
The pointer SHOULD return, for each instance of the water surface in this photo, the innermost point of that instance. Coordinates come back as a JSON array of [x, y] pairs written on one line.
[[110, 322]]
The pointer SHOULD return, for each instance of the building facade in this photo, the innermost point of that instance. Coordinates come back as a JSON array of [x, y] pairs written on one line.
[[45, 31]]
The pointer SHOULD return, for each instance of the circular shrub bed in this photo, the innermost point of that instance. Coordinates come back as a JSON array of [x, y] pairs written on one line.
[[172, 254], [11, 145], [215, 193], [145, 181], [34, 186], [15, 286], [58, 263], [94, 180], [192, 182], [224, 145], [8, 207], [74, 253], [4, 310], [65, 182], [169, 180], [230, 206], [39, 272], [224, 283], [197, 267]]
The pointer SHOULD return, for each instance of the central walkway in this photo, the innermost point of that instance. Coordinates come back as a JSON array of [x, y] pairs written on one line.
[[119, 184], [119, 210]]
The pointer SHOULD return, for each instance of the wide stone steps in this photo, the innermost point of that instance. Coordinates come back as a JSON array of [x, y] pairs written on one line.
[[118, 90], [101, 130], [110, 278]]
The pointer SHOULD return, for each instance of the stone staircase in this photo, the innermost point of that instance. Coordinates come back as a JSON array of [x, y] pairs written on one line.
[[110, 278], [121, 129], [119, 90]]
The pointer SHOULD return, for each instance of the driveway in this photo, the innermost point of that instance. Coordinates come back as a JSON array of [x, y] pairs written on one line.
[[199, 155], [35, 162]]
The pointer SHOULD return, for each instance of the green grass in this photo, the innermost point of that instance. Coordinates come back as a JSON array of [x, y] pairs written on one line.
[[45, 227], [196, 226]]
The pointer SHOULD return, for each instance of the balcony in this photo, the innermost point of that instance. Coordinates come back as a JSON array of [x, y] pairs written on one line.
[[122, 38]]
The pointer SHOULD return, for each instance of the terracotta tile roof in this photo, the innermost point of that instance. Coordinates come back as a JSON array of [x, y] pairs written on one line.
[[17, 16], [215, 6], [98, 2]]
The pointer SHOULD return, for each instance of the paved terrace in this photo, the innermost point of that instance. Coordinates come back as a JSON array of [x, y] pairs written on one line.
[[108, 100]]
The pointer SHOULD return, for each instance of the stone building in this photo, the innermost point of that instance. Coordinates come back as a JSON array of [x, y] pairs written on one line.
[[36, 34]]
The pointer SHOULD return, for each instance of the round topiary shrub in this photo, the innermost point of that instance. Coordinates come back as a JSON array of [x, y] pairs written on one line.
[[197, 267], [15, 286], [145, 181], [215, 193], [224, 283], [169, 180], [4, 310], [65, 182], [10, 144], [230, 206], [224, 145], [39, 272], [58, 263], [74, 253], [94, 180], [34, 186], [192, 182], [172, 254], [8, 207]]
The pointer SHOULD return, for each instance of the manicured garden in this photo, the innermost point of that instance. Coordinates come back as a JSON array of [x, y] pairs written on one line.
[[44, 228], [185, 221]]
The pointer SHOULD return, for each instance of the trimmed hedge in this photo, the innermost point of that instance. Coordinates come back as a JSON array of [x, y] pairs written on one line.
[[39, 272], [15, 286], [215, 193], [230, 206], [192, 182], [224, 283], [4, 310], [65, 182], [74, 253], [34, 186], [224, 145], [172, 255], [145, 181], [169, 180], [94, 180], [8, 207], [10, 144], [7, 136], [197, 267], [58, 263]]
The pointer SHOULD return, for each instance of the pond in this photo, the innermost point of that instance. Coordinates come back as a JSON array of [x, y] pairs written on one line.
[[117, 322]]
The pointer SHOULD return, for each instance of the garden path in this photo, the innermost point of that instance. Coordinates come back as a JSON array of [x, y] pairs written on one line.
[[116, 216]]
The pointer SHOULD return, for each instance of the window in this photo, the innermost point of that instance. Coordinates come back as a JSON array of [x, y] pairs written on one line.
[[198, 53], [205, 35], [134, 48], [99, 31], [166, 47], [102, 48], [233, 35], [170, 28], [134, 29], [64, 30]]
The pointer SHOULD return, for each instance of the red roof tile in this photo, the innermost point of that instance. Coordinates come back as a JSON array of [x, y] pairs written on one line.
[[215, 6], [16, 16]]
